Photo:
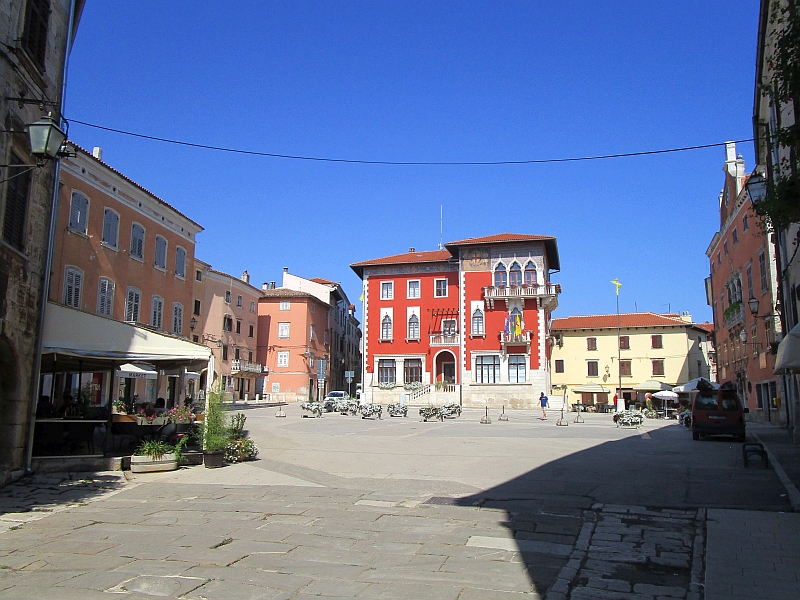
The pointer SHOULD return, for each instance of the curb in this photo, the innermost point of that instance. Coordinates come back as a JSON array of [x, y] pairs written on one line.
[[791, 488]]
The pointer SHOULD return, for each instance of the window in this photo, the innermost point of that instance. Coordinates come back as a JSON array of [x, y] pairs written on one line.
[[449, 326], [283, 358], [386, 371], [133, 299], [250, 331], [197, 307], [285, 305], [625, 368], [413, 370], [750, 289], [487, 369], [313, 333], [252, 306], [413, 327], [745, 223], [559, 365], [325, 337], [238, 300], [276, 387], [110, 228], [656, 341], [735, 236], [198, 275], [105, 297], [228, 296], [224, 354], [249, 356], [658, 366], [478, 327], [78, 212], [500, 276], [227, 323], [283, 330], [624, 342], [386, 328], [137, 242], [34, 36], [73, 284], [591, 368], [725, 247], [387, 290], [591, 343], [440, 288], [515, 275], [762, 267], [719, 258], [161, 252], [238, 326], [236, 353], [413, 289], [530, 274], [311, 360], [157, 316], [516, 368], [180, 262], [16, 211]]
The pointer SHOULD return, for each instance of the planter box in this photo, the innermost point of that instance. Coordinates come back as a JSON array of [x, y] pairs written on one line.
[[193, 457], [145, 464], [213, 460], [117, 418]]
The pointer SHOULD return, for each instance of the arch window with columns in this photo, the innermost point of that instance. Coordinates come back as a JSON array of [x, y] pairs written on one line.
[[500, 275]]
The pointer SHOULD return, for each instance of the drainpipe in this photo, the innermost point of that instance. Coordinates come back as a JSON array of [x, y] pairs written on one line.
[[37, 358]]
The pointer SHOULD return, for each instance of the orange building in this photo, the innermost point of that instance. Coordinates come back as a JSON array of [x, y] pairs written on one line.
[[123, 253], [468, 323]]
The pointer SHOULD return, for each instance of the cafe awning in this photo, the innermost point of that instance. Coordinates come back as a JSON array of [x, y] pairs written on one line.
[[131, 371], [651, 385], [74, 337], [788, 359], [590, 388]]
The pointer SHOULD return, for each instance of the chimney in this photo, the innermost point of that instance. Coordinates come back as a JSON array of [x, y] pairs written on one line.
[[411, 249], [265, 286], [246, 276], [97, 152], [285, 269], [272, 285]]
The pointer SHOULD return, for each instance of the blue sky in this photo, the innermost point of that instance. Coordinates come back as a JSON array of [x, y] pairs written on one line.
[[430, 81]]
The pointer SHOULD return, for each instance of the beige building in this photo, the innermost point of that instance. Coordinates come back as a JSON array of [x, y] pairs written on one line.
[[224, 318], [668, 349]]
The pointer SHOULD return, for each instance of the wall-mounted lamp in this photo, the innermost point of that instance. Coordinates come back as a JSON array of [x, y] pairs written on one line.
[[756, 187], [46, 139], [192, 323]]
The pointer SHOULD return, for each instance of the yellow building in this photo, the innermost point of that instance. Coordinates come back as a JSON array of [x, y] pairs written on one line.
[[654, 352]]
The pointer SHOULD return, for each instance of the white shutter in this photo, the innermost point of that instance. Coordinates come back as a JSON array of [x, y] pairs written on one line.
[[77, 212], [72, 287], [137, 241], [177, 319], [132, 305], [105, 297], [158, 312]]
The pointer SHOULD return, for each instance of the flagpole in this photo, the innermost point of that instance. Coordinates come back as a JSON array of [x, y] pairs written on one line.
[[620, 400]]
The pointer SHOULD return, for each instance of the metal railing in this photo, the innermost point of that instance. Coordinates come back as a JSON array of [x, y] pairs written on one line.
[[512, 338], [243, 366], [522, 291], [445, 339]]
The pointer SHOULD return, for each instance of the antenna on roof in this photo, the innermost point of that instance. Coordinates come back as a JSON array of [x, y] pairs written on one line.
[[440, 226]]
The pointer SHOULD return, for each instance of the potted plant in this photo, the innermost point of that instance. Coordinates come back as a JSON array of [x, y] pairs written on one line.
[[153, 456], [215, 430]]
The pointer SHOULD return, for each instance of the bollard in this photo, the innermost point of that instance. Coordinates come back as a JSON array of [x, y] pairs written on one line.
[[280, 412], [503, 416], [485, 419], [258, 398]]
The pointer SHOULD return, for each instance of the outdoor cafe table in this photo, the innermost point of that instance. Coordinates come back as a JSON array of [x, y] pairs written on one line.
[[80, 431]]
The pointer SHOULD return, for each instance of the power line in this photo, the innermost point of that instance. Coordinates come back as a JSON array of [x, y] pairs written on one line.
[[533, 161]]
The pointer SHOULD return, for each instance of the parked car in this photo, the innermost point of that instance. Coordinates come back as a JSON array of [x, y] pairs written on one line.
[[332, 398], [718, 412]]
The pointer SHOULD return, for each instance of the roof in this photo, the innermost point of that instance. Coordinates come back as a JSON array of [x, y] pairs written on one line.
[[234, 278], [707, 327], [322, 281], [628, 320], [133, 183], [550, 245], [287, 293], [426, 256]]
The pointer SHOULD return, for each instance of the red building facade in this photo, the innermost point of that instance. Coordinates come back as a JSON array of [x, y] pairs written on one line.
[[467, 323]]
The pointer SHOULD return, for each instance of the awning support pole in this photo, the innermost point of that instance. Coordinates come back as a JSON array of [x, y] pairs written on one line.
[[108, 441]]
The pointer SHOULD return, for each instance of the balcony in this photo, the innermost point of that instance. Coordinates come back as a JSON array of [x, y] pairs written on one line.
[[547, 294], [243, 366], [511, 339], [733, 315], [445, 339]]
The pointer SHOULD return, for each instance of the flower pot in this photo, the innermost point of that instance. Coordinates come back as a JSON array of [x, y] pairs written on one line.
[[193, 457], [147, 464], [214, 459]]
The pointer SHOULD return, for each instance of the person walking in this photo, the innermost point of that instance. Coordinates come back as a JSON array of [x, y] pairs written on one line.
[[543, 402]]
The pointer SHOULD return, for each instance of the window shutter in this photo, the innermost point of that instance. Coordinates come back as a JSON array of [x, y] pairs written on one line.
[[69, 287]]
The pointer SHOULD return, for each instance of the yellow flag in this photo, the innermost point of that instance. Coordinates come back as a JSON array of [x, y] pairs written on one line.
[[617, 285]]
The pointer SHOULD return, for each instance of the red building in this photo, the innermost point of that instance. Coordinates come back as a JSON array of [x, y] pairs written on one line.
[[743, 278], [467, 323]]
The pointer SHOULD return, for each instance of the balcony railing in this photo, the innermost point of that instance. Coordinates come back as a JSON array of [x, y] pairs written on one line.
[[445, 339], [548, 292], [243, 366], [512, 338], [733, 315]]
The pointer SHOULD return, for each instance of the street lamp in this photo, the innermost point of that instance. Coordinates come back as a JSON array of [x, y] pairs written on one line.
[[753, 305], [46, 138], [192, 323], [756, 187]]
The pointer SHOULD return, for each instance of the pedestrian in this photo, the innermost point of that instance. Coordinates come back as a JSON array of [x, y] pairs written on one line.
[[543, 402]]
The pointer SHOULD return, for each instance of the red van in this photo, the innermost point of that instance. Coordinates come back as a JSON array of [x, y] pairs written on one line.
[[718, 412]]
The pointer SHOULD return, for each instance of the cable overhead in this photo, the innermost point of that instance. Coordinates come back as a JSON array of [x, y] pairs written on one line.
[[477, 163]]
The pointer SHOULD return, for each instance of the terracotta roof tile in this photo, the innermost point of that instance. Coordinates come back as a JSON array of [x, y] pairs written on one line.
[[645, 319], [285, 293], [322, 281], [426, 256], [500, 237]]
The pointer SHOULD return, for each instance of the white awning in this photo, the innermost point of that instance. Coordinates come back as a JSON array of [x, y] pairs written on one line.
[[590, 388], [73, 333], [788, 359], [192, 375], [130, 371]]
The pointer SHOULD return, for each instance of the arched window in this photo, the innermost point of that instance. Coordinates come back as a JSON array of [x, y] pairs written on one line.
[[530, 274], [386, 328], [515, 275], [477, 322], [500, 276], [413, 327], [514, 323]]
